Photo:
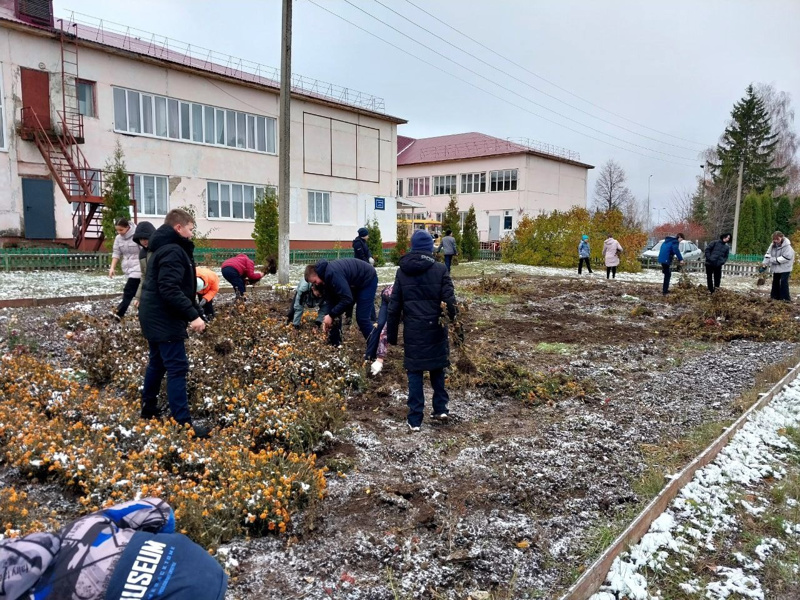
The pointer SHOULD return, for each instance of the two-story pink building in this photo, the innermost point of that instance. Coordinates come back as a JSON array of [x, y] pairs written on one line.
[[503, 179]]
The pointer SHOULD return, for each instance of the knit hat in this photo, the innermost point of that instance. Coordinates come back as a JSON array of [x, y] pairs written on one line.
[[585, 237], [363, 232], [421, 241]]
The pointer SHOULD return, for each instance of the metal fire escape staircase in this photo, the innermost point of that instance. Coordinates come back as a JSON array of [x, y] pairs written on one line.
[[60, 146]]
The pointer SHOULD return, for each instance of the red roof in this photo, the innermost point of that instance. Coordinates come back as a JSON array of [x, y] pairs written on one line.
[[463, 146]]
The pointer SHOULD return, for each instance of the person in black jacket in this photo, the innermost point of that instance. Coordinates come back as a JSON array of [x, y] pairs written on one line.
[[716, 256], [360, 247], [169, 302], [142, 237], [420, 287], [346, 281]]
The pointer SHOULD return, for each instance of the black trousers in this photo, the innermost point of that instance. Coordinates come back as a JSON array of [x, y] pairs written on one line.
[[667, 274], [780, 287], [128, 295], [713, 275], [580, 265], [611, 271]]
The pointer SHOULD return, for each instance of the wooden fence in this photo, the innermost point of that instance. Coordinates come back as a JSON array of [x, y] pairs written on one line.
[[741, 269]]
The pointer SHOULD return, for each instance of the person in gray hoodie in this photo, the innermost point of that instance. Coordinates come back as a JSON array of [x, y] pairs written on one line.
[[126, 252], [449, 247], [780, 259]]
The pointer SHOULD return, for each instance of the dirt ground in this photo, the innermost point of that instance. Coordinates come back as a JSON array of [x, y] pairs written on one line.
[[507, 497]]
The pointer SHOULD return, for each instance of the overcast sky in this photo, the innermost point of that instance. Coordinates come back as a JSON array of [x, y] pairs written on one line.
[[669, 67]]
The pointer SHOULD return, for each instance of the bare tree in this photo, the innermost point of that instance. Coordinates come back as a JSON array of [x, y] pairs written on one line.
[[680, 207], [781, 113], [634, 212], [610, 191]]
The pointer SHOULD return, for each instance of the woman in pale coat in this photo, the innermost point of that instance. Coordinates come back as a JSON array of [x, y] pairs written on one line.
[[125, 252], [780, 259], [611, 252]]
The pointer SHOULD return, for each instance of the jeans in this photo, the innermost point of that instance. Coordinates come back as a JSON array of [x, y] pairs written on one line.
[[581, 260], [416, 396], [232, 276], [667, 275], [167, 358], [780, 287], [375, 335], [448, 260], [365, 307], [611, 271], [713, 276], [128, 294]]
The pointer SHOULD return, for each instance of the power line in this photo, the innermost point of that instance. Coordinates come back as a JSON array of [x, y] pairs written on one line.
[[506, 100], [555, 85], [523, 82], [511, 91]]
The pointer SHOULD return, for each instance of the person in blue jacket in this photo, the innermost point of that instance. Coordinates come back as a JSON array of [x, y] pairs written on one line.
[[346, 281], [126, 551], [584, 254], [669, 248]]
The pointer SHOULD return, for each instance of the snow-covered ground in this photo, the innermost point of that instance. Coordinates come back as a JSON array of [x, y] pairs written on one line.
[[58, 284], [706, 506]]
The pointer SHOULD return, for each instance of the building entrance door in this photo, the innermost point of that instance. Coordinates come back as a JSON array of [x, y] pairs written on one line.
[[494, 228], [40, 209], [36, 95]]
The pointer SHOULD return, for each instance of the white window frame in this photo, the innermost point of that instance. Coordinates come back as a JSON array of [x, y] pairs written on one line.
[[415, 184], [241, 140], [473, 183], [503, 179], [508, 215], [138, 191], [447, 183], [92, 85], [399, 188], [230, 186], [323, 197], [3, 132]]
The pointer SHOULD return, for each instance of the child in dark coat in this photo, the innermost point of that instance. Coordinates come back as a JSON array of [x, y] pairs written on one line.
[[420, 287]]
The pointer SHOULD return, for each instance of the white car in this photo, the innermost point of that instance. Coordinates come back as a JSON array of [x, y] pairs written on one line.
[[688, 250]]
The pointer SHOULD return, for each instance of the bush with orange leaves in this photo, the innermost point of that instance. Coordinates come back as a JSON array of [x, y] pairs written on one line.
[[271, 391]]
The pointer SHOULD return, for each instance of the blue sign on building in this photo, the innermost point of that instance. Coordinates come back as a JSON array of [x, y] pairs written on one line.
[[380, 203]]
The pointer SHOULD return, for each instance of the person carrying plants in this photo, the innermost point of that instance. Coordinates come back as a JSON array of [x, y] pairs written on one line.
[[360, 247], [168, 304], [377, 344], [584, 253], [126, 252], [448, 246], [142, 237], [306, 295], [421, 285], [611, 252], [128, 550], [207, 289], [669, 248], [346, 281], [238, 271], [780, 259], [716, 255]]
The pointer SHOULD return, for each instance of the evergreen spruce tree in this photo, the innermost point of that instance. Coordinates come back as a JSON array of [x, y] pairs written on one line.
[[470, 242], [749, 225], [401, 247], [374, 242], [265, 228], [783, 216], [699, 208], [452, 220], [749, 139], [117, 195], [767, 215]]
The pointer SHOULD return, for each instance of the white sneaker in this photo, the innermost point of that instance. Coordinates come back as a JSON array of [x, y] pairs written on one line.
[[411, 428], [443, 418]]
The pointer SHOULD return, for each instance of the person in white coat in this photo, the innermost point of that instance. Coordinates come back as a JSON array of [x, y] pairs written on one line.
[[125, 252], [611, 251], [780, 260]]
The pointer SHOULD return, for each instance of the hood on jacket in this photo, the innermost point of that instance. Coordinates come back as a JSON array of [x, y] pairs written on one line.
[[321, 267], [414, 263], [609, 242], [167, 235], [144, 230]]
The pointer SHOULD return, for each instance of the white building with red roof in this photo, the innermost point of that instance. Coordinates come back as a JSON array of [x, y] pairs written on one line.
[[197, 128], [504, 179]]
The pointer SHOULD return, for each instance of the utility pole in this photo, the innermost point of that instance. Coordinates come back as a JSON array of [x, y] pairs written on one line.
[[284, 180], [648, 205], [738, 204]]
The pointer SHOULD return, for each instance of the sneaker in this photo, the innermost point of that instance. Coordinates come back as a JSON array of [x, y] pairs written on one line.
[[201, 431], [443, 417], [114, 317], [413, 429]]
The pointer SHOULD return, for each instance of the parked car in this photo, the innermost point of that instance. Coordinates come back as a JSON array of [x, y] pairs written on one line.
[[688, 250]]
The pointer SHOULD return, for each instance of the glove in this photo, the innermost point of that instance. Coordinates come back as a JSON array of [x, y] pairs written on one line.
[[202, 302], [371, 260], [762, 268], [376, 367]]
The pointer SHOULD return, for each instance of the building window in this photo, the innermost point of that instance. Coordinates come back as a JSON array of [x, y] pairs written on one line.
[[399, 192], [319, 207], [418, 186], [85, 91], [146, 114], [508, 222], [503, 181], [444, 185], [152, 197], [232, 200], [439, 217], [462, 216], [472, 183]]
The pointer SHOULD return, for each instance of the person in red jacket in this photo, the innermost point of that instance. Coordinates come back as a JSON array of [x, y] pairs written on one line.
[[238, 271]]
